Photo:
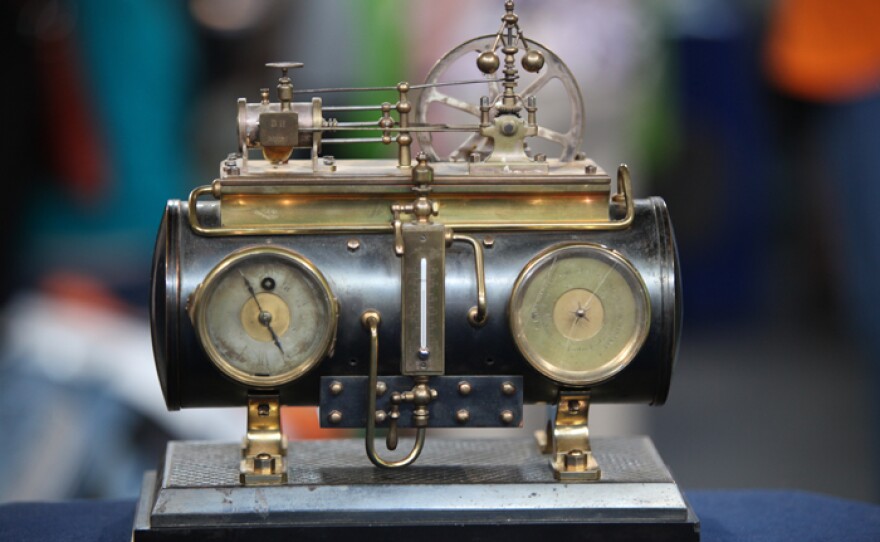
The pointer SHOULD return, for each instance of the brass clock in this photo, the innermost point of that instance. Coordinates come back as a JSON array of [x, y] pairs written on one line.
[[579, 313], [265, 316]]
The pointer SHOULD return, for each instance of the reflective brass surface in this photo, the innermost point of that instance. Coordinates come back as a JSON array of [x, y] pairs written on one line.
[[264, 448]]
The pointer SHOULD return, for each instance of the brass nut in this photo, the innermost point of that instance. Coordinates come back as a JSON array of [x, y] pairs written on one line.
[[464, 388], [575, 460], [335, 417], [264, 464]]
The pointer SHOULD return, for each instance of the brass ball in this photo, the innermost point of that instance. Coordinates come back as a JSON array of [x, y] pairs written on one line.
[[533, 61], [404, 107], [404, 139], [488, 62]]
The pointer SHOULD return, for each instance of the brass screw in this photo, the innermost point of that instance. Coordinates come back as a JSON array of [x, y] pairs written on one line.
[[335, 417], [336, 387], [506, 417], [464, 388], [353, 245], [462, 416], [508, 388]]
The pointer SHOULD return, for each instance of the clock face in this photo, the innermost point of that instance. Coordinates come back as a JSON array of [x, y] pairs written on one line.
[[579, 313], [265, 316]]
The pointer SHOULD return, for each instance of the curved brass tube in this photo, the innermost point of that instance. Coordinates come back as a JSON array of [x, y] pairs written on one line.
[[370, 320], [478, 315]]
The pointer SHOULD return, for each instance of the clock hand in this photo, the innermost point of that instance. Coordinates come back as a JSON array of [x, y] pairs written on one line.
[[265, 317]]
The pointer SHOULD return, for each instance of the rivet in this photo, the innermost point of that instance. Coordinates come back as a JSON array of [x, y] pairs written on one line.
[[381, 388], [336, 387], [506, 417], [462, 416], [353, 245], [464, 388], [380, 416], [488, 241], [507, 388], [335, 417]]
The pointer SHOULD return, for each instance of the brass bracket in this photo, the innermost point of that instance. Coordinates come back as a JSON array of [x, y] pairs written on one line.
[[264, 448], [568, 440]]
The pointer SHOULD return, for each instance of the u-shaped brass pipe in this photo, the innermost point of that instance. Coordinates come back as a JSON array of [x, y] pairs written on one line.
[[371, 320]]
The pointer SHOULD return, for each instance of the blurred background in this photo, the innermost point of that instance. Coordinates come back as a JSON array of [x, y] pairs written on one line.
[[757, 121]]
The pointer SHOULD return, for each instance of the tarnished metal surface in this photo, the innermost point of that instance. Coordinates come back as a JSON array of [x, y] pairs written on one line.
[[628, 460], [455, 480], [369, 278]]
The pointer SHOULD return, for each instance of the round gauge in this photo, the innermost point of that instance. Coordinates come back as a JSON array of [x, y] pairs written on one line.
[[579, 313], [265, 316]]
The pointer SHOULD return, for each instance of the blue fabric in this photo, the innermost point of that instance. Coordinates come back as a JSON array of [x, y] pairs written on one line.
[[782, 516], [725, 516]]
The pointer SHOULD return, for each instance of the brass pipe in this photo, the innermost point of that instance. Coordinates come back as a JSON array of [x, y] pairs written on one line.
[[371, 320], [479, 314]]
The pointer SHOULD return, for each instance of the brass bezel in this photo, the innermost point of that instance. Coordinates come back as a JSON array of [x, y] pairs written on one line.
[[616, 364], [199, 316]]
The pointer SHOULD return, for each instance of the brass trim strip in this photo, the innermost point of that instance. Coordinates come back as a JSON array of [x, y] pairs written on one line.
[[624, 195]]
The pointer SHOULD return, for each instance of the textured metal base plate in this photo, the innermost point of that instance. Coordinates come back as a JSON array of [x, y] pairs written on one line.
[[470, 489]]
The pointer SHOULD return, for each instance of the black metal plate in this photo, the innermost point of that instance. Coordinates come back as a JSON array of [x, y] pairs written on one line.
[[484, 403]]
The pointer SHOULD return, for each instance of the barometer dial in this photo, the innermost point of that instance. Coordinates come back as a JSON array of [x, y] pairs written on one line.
[[579, 313], [265, 316]]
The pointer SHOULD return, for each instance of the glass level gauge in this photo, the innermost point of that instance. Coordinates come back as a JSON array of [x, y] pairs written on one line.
[[579, 313], [265, 316]]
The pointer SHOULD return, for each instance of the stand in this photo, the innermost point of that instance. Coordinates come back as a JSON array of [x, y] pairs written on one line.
[[487, 489]]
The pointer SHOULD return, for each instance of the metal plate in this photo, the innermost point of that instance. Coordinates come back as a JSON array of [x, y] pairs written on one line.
[[462, 483], [484, 403]]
